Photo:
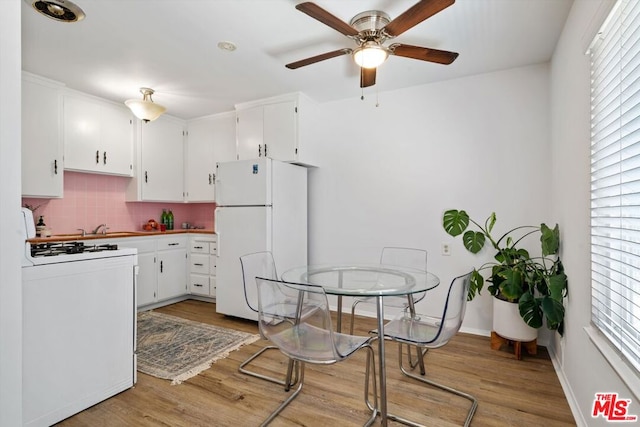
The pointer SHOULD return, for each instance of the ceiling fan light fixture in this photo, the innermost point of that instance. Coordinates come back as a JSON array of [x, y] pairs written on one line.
[[370, 55], [145, 109]]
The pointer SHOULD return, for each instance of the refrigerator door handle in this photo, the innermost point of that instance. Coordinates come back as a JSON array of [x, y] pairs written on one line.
[[215, 229]]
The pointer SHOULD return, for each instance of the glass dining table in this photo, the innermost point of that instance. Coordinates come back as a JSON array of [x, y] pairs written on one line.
[[366, 280]]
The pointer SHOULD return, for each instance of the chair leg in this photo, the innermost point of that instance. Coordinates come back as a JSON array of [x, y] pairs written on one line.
[[353, 316], [290, 379], [419, 358], [472, 410], [284, 404], [371, 370]]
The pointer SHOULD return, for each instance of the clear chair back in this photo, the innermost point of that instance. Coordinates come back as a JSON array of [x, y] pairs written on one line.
[[257, 264], [296, 318], [454, 309], [404, 257]]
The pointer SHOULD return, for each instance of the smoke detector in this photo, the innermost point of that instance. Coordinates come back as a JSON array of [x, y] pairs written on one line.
[[60, 10]]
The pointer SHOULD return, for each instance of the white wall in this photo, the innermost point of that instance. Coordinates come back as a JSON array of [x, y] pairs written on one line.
[[583, 369], [10, 274], [386, 174]]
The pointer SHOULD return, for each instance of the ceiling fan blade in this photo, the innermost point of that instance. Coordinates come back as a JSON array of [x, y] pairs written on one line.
[[318, 58], [423, 53], [415, 15], [367, 77], [316, 12]]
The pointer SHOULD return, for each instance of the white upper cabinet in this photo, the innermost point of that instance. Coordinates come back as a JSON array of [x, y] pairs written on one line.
[[210, 140], [159, 163], [98, 135], [279, 128], [249, 133], [42, 149]]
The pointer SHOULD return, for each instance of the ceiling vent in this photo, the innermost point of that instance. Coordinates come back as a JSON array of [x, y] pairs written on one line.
[[60, 10]]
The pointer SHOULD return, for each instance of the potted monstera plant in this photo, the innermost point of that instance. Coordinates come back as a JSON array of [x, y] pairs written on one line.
[[536, 283]]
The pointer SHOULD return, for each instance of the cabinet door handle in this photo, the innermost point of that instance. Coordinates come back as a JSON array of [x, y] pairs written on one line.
[[265, 150], [97, 157], [104, 158], [161, 267], [146, 177], [209, 179], [259, 150], [55, 166]]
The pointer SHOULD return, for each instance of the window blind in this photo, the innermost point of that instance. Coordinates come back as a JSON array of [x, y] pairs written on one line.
[[615, 180]]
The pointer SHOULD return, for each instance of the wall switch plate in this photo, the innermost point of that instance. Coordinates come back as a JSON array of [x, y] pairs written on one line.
[[446, 249]]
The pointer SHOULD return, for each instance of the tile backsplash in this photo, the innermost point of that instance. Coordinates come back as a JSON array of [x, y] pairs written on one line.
[[90, 200]]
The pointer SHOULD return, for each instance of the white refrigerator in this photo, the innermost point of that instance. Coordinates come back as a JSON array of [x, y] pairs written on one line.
[[261, 205]]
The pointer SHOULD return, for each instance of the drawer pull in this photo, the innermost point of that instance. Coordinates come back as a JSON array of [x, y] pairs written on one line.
[[198, 247], [198, 264], [174, 244], [198, 285]]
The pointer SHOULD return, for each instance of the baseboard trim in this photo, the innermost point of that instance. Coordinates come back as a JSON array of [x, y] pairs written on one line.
[[566, 387]]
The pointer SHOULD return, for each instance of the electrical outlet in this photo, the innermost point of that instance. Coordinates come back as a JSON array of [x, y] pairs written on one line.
[[446, 249]]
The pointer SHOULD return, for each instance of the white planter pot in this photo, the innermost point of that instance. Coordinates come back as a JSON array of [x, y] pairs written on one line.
[[508, 324]]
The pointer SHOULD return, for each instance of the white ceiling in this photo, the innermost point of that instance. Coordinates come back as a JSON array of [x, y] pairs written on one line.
[[170, 46]]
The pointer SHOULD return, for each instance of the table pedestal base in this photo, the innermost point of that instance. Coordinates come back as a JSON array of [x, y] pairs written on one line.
[[497, 342]]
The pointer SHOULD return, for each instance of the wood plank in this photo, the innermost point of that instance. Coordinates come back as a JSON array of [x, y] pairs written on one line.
[[509, 391]]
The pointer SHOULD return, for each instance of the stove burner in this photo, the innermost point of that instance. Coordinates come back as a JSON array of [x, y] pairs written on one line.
[[63, 248]]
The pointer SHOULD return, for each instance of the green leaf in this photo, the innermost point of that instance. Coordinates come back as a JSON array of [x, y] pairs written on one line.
[[549, 240], [512, 286], [530, 310], [475, 286], [557, 285], [473, 241], [553, 311], [455, 222], [491, 221]]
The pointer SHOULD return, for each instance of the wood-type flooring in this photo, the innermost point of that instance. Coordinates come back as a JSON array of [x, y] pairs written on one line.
[[510, 392]]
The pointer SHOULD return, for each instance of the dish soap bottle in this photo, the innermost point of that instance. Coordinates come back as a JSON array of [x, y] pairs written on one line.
[[41, 227], [169, 220]]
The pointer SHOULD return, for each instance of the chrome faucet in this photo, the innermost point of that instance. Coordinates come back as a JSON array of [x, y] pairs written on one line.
[[104, 229]]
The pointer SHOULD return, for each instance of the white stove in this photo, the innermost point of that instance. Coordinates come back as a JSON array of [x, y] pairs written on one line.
[[79, 325], [59, 252]]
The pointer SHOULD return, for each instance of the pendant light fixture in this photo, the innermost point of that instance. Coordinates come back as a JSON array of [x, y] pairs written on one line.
[[145, 109]]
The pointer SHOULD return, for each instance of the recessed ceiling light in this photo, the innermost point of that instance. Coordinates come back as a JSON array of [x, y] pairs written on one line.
[[228, 46], [60, 10]]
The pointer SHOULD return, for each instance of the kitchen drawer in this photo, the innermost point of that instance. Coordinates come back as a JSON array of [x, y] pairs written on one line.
[[199, 284], [200, 263], [167, 242], [142, 245], [198, 246]]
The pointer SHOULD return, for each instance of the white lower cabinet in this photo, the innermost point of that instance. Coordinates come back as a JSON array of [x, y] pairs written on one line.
[[147, 292], [202, 265], [162, 266], [172, 266]]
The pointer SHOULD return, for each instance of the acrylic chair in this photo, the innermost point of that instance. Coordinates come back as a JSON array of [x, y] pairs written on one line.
[[261, 264], [403, 257], [308, 338], [432, 331]]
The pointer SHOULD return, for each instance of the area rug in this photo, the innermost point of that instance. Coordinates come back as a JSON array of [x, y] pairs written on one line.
[[177, 349]]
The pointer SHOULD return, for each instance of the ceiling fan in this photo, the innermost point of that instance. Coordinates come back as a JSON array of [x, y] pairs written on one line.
[[370, 30]]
